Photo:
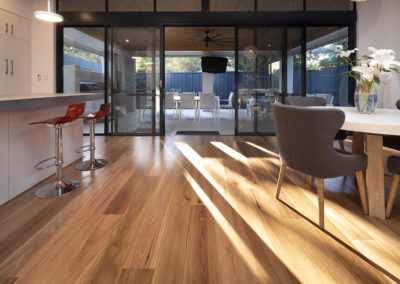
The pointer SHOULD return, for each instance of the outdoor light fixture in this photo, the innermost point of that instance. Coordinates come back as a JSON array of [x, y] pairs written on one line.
[[48, 16]]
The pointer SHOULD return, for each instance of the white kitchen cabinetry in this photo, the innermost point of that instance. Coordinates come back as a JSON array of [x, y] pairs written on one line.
[[15, 60]]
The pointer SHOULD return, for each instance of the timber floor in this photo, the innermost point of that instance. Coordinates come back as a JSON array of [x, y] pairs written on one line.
[[189, 209]]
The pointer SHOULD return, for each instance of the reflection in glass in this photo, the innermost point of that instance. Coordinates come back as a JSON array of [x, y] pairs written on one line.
[[131, 5], [323, 65], [329, 5], [294, 36], [260, 77], [178, 6], [280, 5], [82, 6], [231, 5], [136, 73], [83, 69]]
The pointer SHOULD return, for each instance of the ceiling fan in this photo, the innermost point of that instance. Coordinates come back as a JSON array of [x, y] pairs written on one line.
[[216, 39]]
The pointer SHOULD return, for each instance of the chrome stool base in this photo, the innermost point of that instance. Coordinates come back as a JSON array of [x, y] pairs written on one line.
[[89, 165], [57, 189]]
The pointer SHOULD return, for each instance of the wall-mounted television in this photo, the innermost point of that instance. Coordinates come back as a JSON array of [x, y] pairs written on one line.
[[212, 64]]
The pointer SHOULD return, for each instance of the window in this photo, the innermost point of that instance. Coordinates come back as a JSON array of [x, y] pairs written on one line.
[[260, 77], [231, 5], [294, 61], [324, 68], [280, 5], [178, 5], [83, 59], [329, 5], [131, 5], [82, 6]]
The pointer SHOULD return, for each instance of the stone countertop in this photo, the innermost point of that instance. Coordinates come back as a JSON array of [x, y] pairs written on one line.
[[29, 101]]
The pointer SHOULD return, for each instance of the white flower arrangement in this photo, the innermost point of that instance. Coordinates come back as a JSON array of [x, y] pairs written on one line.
[[374, 68]]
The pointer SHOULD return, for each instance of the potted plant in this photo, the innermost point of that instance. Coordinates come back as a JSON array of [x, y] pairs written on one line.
[[368, 71]]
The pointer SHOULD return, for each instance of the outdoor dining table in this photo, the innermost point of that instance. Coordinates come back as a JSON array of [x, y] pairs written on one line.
[[368, 130], [177, 99]]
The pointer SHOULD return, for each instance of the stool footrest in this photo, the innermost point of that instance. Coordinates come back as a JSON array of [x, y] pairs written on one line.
[[38, 167], [85, 148]]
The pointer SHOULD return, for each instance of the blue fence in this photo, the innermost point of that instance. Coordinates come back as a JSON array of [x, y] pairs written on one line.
[[318, 81], [327, 80], [185, 82]]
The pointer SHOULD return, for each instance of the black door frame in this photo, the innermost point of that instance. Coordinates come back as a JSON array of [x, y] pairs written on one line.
[[285, 20]]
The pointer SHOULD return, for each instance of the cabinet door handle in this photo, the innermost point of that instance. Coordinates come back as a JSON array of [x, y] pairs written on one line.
[[6, 28], [12, 29], [12, 67], [6, 66]]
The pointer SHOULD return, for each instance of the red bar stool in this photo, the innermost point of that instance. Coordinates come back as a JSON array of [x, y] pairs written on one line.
[[59, 187], [93, 163]]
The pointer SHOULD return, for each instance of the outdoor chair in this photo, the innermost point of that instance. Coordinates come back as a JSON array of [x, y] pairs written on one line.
[[187, 102], [207, 101]]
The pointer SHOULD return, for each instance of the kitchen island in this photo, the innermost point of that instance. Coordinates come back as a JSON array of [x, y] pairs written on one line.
[[23, 145]]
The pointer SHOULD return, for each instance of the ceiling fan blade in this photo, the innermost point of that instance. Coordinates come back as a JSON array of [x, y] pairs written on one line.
[[226, 38], [216, 43], [219, 40], [215, 36]]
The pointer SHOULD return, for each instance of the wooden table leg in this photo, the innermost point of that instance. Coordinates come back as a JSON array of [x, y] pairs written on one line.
[[358, 142], [375, 176]]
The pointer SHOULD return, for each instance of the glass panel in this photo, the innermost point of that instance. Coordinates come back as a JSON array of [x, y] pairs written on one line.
[[323, 67], [84, 66], [280, 5], [329, 5], [136, 74], [294, 36], [178, 5], [260, 77], [82, 6], [131, 5], [231, 5]]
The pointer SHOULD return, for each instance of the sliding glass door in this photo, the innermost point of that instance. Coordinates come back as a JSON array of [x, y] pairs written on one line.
[[135, 76], [270, 63], [259, 78]]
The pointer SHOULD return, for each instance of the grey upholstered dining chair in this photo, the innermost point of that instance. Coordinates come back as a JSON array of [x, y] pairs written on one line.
[[393, 165], [315, 101], [305, 139]]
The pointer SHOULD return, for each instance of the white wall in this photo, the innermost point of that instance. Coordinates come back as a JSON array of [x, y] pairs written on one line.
[[43, 53], [378, 26]]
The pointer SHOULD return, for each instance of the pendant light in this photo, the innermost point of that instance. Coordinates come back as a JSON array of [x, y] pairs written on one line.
[[48, 16]]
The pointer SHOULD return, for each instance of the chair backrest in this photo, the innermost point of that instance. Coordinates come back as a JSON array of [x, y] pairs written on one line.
[[398, 104], [207, 101], [104, 110], [230, 99], [328, 98], [169, 101], [187, 100], [305, 101], [305, 138], [74, 111]]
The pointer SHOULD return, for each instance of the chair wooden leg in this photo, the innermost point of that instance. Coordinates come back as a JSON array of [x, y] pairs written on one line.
[[341, 143], [392, 194], [361, 188], [320, 187], [280, 180], [310, 180]]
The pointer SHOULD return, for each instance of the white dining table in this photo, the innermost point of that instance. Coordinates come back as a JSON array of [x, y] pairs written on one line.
[[368, 131], [197, 99]]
